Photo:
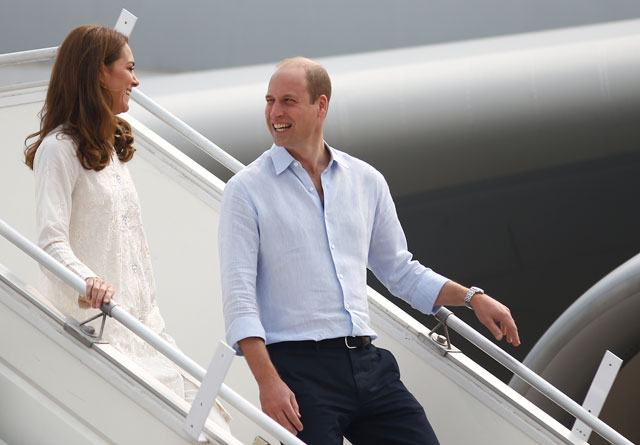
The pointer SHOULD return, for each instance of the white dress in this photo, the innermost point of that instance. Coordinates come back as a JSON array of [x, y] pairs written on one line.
[[90, 221]]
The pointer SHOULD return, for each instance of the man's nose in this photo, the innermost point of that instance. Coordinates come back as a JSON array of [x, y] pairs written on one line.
[[276, 110]]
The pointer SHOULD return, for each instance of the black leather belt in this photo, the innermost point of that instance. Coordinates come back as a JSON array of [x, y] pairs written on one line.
[[346, 342], [340, 342]]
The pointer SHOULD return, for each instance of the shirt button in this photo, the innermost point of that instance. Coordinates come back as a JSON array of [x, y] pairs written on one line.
[[310, 189], [333, 246], [118, 178], [347, 306], [295, 164], [340, 276]]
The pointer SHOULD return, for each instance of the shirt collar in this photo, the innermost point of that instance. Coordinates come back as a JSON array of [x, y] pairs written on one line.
[[282, 158]]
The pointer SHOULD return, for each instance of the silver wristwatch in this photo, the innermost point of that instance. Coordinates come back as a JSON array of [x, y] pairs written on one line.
[[472, 291]]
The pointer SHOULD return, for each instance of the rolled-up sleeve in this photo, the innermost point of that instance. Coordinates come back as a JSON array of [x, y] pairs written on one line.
[[238, 241], [390, 260]]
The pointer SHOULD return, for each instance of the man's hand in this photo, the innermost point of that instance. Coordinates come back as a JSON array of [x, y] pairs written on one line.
[[497, 317], [277, 400], [491, 313], [279, 403]]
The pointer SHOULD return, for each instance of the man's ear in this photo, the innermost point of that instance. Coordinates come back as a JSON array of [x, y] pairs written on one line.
[[323, 105]]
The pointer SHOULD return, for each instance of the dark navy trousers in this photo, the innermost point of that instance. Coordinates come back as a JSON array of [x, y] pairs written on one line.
[[352, 393]]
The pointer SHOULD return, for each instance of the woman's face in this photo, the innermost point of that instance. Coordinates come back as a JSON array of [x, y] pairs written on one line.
[[120, 79]]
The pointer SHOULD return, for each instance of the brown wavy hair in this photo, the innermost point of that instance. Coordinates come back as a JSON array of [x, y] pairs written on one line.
[[76, 100]]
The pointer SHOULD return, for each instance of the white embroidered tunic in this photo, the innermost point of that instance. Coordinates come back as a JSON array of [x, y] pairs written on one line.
[[90, 221]]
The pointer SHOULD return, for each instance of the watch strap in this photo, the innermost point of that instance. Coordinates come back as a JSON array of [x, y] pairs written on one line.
[[470, 293]]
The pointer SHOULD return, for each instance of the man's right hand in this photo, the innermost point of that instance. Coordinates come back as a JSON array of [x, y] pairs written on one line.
[[277, 400], [279, 403]]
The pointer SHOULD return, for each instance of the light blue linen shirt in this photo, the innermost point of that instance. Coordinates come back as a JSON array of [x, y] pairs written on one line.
[[293, 269]]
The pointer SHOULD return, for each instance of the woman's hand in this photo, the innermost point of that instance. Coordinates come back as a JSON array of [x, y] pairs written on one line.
[[98, 292]]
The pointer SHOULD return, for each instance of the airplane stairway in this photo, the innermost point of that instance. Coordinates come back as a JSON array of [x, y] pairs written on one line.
[[53, 386]]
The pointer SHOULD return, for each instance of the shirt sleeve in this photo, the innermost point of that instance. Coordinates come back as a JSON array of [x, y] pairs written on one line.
[[392, 263], [56, 169], [238, 244]]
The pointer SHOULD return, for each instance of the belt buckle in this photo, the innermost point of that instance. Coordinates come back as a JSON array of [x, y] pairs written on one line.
[[346, 343]]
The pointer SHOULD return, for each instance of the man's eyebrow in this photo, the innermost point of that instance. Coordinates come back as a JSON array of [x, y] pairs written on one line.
[[286, 95]]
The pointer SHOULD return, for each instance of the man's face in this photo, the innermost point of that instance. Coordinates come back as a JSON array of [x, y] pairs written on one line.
[[291, 117]]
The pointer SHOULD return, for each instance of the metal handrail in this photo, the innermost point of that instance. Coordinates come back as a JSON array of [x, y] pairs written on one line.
[[447, 317], [145, 102], [186, 131], [28, 56], [113, 310]]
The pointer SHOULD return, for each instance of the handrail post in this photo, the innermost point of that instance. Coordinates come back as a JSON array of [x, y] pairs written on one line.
[[598, 392], [206, 396]]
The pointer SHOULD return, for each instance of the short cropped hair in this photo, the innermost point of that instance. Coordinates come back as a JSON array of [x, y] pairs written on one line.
[[318, 81]]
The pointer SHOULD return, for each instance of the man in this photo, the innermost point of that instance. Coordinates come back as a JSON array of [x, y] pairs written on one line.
[[298, 228]]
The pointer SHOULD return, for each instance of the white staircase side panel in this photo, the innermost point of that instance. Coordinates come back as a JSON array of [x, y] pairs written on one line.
[[17, 207], [79, 395], [24, 403]]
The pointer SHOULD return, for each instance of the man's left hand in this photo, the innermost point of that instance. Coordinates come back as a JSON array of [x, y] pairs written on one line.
[[497, 317]]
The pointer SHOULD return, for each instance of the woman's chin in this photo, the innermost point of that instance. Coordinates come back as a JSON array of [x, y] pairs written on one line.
[[120, 110]]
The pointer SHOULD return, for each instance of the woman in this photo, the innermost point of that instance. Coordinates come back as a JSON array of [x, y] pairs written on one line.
[[88, 213]]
